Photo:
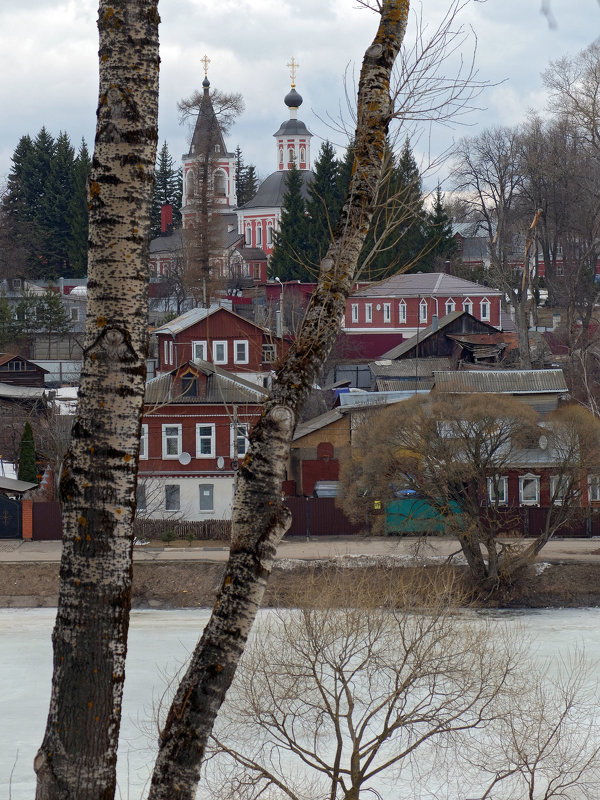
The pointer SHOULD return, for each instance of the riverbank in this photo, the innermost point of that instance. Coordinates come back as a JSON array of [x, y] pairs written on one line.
[[194, 583]]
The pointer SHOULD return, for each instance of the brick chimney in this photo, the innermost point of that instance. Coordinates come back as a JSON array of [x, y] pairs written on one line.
[[166, 219]]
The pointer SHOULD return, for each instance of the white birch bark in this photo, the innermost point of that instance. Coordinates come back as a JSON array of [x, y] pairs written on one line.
[[260, 518], [77, 757]]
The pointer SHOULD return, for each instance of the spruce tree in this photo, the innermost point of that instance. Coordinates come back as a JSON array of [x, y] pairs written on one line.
[[440, 244], [166, 188], [17, 239], [78, 214], [324, 204], [7, 325], [245, 179], [27, 467], [288, 259], [53, 215]]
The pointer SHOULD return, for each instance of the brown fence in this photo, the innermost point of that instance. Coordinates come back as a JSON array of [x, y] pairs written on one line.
[[46, 522], [170, 530], [319, 516]]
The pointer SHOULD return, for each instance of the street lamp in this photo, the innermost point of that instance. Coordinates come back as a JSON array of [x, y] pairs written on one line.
[[280, 321]]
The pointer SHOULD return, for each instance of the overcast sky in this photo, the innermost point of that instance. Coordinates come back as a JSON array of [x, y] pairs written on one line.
[[48, 60]]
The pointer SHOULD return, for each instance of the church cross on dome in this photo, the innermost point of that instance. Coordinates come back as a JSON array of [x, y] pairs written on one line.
[[206, 62], [293, 65]]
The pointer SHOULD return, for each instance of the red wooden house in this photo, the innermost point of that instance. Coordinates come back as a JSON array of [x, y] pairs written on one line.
[[220, 337], [195, 428]]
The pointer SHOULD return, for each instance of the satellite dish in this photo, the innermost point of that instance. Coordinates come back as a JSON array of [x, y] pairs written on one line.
[[184, 458], [220, 462]]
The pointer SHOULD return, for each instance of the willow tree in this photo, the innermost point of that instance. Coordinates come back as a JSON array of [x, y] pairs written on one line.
[[78, 754]]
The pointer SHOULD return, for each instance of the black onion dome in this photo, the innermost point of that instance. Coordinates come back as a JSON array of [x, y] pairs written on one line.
[[206, 83], [293, 99]]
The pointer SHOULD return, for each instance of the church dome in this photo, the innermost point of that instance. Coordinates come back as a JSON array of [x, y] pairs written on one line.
[[293, 99]]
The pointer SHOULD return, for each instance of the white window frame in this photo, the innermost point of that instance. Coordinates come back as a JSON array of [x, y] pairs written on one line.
[[387, 312], [177, 506], [423, 312], [144, 442], [74, 314], [269, 353], [556, 482], [166, 351], [203, 436], [201, 345], [502, 499], [594, 488], [368, 312], [169, 437], [354, 311], [402, 312], [141, 499], [258, 233], [269, 234], [529, 478], [234, 450], [248, 236], [171, 351], [485, 304], [244, 359], [211, 493], [215, 345], [468, 305], [450, 306]]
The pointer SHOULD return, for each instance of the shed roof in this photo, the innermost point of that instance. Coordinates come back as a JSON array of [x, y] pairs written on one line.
[[522, 381]]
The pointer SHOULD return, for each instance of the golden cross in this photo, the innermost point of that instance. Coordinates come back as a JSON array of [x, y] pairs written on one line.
[[293, 65], [206, 62]]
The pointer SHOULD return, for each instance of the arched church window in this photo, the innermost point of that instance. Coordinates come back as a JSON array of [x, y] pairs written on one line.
[[281, 156], [190, 183], [269, 234], [291, 154], [302, 154], [248, 241], [220, 182], [259, 235]]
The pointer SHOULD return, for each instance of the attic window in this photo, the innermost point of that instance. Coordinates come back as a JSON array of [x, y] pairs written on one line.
[[189, 385], [217, 148]]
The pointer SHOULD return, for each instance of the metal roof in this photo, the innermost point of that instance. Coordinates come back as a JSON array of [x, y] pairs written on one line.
[[425, 284], [271, 191], [409, 367], [522, 381], [167, 244], [14, 485], [425, 333], [221, 387], [316, 423]]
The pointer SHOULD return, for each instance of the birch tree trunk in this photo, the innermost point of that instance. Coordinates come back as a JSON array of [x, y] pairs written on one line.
[[260, 518], [77, 758]]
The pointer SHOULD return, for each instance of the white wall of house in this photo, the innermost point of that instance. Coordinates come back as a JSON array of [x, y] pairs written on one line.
[[192, 498]]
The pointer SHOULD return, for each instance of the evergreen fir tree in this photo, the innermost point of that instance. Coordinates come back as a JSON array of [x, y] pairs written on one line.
[[15, 201], [245, 179], [324, 204], [78, 214], [51, 317], [167, 188], [288, 259], [396, 238], [440, 244], [53, 215], [27, 467], [345, 172]]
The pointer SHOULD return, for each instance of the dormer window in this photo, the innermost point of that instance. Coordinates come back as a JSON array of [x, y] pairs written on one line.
[[217, 148], [189, 385]]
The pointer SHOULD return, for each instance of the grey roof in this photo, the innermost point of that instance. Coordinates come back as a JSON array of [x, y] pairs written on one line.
[[522, 381], [475, 248], [195, 315], [167, 244], [425, 333], [221, 387], [11, 392], [467, 229], [271, 191], [292, 127], [316, 423], [408, 368], [425, 284], [252, 253], [14, 485], [207, 131], [391, 385]]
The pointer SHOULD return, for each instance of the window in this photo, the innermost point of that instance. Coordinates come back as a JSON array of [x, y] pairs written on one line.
[[74, 315], [302, 154], [166, 352], [248, 241], [217, 148], [240, 351], [291, 155], [484, 308], [144, 442], [450, 306], [423, 311], [259, 235], [281, 156], [172, 497], [170, 352], [387, 312], [529, 490], [559, 489], [17, 284], [269, 353], [269, 234], [594, 488], [198, 351], [219, 183], [141, 497], [207, 502], [402, 312], [468, 305], [189, 385], [190, 183], [498, 490], [368, 312], [219, 351], [205, 440], [239, 440], [354, 312], [171, 441]]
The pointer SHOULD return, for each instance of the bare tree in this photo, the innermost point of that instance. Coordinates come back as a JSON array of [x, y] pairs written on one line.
[[77, 757], [455, 454]]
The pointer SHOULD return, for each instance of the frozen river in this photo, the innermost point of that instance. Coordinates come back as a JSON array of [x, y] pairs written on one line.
[[158, 644]]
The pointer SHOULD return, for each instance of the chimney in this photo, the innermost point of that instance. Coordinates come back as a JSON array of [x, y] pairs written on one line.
[[166, 219]]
